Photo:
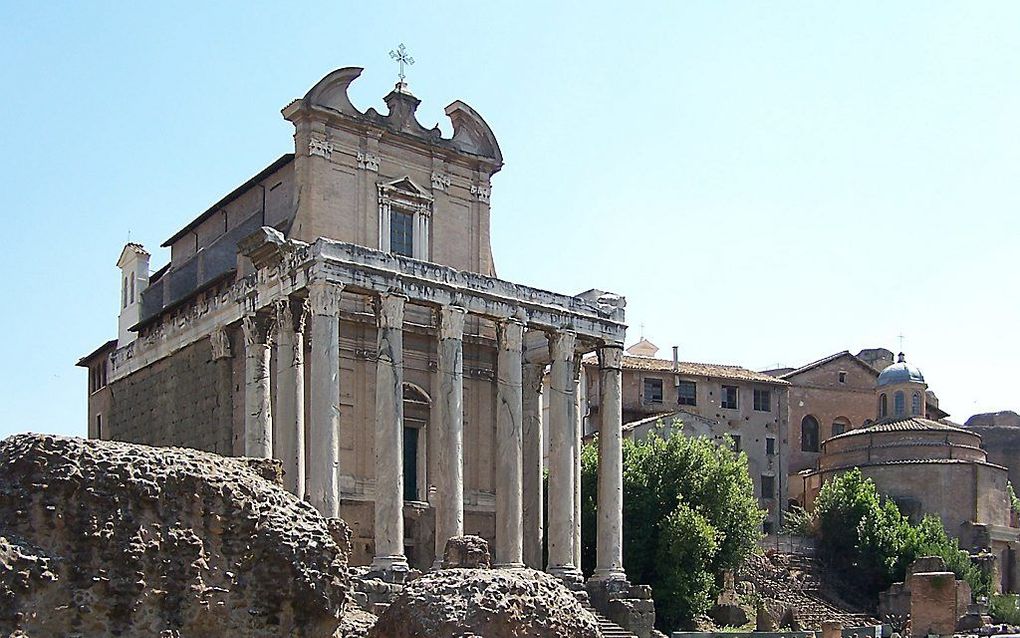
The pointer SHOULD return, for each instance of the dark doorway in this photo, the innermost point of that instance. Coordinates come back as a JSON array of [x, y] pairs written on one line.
[[410, 464]]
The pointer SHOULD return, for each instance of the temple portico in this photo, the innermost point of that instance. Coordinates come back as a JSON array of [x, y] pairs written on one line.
[[340, 312]]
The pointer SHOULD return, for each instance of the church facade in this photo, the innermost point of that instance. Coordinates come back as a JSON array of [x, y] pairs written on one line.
[[340, 312]]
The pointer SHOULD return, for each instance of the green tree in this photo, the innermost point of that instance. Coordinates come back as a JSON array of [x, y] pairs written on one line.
[[866, 537], [689, 513]]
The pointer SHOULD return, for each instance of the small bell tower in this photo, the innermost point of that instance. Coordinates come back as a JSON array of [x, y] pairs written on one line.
[[134, 278]]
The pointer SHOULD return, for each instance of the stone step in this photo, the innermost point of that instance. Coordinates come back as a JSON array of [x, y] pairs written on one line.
[[608, 627]]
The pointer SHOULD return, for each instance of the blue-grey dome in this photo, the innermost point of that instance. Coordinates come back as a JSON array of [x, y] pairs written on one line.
[[900, 372]]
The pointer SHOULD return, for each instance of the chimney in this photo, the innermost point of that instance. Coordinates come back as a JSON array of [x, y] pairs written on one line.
[[676, 366]]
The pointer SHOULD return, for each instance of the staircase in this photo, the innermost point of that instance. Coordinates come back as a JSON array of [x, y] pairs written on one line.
[[798, 582], [608, 627]]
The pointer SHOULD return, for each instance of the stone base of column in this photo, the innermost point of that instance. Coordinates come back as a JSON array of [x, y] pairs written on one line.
[[390, 569], [609, 576], [571, 576], [507, 565]]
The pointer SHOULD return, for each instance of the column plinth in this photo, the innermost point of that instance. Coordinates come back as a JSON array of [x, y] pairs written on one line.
[[509, 549], [323, 468], [609, 551], [562, 430], [258, 411], [449, 440], [389, 434]]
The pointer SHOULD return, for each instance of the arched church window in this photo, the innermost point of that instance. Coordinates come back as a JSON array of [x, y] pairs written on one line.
[[123, 294], [132, 296], [809, 434], [840, 425], [915, 404], [883, 406], [899, 403]]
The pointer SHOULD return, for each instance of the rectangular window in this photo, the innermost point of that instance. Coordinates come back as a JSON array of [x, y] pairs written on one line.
[[687, 393], [767, 527], [729, 397], [762, 399], [99, 426], [768, 486], [842, 377], [770, 446], [402, 233], [736, 442], [653, 390]]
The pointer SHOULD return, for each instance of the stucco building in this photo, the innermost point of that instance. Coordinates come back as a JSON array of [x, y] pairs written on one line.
[[340, 311], [712, 400]]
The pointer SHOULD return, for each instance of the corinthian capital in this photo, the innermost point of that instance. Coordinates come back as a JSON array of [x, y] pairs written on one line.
[[324, 298]]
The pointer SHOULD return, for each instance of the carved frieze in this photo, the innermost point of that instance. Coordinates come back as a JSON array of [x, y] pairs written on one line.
[[440, 181], [368, 161], [320, 146], [481, 192]]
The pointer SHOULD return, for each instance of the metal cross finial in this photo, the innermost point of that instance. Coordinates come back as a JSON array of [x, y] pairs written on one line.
[[402, 57], [901, 338]]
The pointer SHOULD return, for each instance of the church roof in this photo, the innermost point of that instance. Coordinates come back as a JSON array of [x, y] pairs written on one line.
[[902, 424], [828, 359], [688, 368], [900, 372]]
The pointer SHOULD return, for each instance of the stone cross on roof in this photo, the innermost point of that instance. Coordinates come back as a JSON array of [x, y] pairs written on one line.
[[402, 57]]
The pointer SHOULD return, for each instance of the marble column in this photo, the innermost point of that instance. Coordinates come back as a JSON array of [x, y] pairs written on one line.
[[532, 463], [509, 549], [577, 418], [258, 409], [290, 393], [609, 552], [220, 344], [449, 408], [389, 434], [324, 398], [562, 431]]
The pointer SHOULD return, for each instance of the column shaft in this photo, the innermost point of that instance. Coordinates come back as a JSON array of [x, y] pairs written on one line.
[[509, 550], [220, 345], [609, 553], [290, 394], [577, 418], [532, 462], [324, 398], [389, 434], [258, 411], [562, 430], [450, 428]]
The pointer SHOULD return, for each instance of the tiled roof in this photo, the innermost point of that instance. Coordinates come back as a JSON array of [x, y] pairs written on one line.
[[736, 373], [666, 416], [84, 361], [902, 424], [823, 361]]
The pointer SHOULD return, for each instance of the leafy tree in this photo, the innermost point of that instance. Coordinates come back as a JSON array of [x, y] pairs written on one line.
[[689, 513]]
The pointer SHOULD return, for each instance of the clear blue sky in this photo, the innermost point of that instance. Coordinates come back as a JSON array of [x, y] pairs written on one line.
[[766, 182]]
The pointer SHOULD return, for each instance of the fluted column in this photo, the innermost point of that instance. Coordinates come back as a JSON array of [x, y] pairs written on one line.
[[450, 428], [531, 456], [389, 434], [509, 550], [290, 393], [324, 398], [609, 553], [258, 411], [562, 431]]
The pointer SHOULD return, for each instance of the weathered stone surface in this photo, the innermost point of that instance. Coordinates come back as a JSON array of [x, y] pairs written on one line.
[[494, 603], [728, 615], [356, 623], [101, 538], [470, 552]]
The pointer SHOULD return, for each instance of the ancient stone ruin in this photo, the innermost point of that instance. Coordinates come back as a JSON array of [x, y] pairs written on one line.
[[466, 598], [101, 538]]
